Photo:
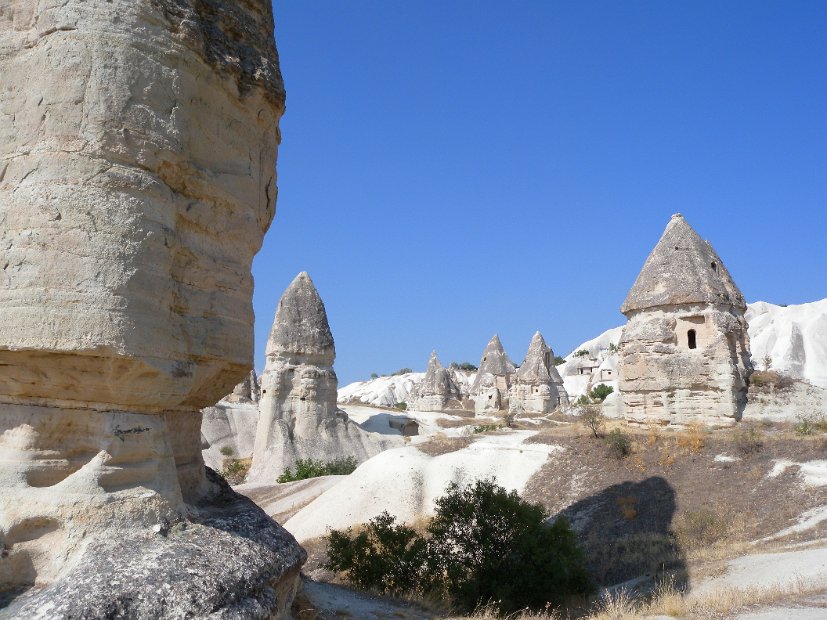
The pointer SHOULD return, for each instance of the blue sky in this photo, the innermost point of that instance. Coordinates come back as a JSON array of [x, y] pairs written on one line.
[[452, 169]]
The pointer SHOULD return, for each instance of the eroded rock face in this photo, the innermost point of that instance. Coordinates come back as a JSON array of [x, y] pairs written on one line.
[[437, 391], [684, 353], [298, 415], [138, 142], [494, 378], [538, 386]]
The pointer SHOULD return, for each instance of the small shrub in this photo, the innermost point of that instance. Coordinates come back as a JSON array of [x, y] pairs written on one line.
[[559, 360], [767, 361], [226, 451], [619, 443], [485, 428], [402, 371], [701, 527], [693, 439], [583, 400], [312, 468], [581, 353], [373, 375], [467, 366], [600, 392], [402, 406], [770, 379], [593, 419], [235, 470], [748, 441], [804, 426], [613, 348]]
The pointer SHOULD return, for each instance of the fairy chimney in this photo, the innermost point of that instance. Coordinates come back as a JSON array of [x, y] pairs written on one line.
[[494, 378], [138, 144], [684, 353], [537, 387], [298, 415], [437, 391]]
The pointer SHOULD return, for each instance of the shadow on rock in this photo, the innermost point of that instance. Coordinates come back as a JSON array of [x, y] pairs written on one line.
[[626, 534]]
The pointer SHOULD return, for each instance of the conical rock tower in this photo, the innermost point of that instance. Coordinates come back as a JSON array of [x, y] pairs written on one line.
[[437, 391], [494, 377], [684, 353], [538, 387], [298, 415]]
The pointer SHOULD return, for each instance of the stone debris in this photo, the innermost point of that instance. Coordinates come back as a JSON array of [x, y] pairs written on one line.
[[489, 392], [438, 390], [298, 415], [537, 385], [684, 353], [138, 141]]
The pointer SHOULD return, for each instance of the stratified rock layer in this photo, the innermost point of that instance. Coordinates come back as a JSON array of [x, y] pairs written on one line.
[[494, 378], [538, 387], [138, 142], [437, 391], [684, 353], [298, 415]]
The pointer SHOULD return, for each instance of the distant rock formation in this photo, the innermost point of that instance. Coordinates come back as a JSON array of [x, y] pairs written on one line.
[[138, 143], [537, 386], [298, 416], [684, 353], [228, 428], [489, 391], [438, 391]]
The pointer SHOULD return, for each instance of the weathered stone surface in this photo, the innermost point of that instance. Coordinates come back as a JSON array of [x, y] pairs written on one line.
[[538, 386], [684, 353], [494, 377], [229, 560], [298, 415], [437, 391], [138, 142]]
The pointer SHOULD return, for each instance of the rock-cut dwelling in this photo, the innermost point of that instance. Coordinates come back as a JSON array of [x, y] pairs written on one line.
[[438, 391], [494, 378], [537, 385], [684, 352]]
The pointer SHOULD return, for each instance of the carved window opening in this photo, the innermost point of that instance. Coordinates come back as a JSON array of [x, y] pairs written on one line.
[[714, 266], [692, 339]]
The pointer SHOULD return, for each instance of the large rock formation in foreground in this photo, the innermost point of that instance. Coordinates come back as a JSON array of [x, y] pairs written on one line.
[[298, 415], [684, 353], [538, 387], [138, 142], [494, 378]]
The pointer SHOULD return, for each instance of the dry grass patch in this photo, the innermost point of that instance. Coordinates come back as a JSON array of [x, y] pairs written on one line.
[[442, 444]]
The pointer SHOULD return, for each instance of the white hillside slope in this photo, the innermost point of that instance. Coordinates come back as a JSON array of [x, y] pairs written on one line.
[[795, 338]]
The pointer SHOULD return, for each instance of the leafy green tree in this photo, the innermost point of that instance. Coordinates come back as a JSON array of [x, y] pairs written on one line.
[[600, 392]]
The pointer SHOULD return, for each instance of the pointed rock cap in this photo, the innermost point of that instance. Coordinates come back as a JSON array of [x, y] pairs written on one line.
[[300, 329], [437, 380], [495, 361], [433, 363], [538, 359], [682, 269]]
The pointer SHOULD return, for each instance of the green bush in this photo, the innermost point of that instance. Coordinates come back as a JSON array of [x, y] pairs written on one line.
[[559, 360], [402, 371], [235, 470], [581, 353], [593, 419], [748, 441], [484, 544], [484, 428], [403, 406], [384, 556], [373, 375], [619, 443], [226, 451], [599, 392], [468, 366], [583, 400], [311, 468]]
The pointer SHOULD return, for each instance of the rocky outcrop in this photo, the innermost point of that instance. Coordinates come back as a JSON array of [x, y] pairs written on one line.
[[437, 391], [537, 386], [138, 142], [684, 353], [298, 415], [489, 392]]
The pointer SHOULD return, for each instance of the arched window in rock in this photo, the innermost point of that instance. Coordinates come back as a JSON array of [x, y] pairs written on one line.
[[692, 339]]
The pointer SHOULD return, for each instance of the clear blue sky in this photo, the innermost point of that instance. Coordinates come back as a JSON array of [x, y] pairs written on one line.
[[452, 169]]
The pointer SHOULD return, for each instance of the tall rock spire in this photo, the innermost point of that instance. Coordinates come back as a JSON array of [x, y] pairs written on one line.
[[437, 391], [298, 415], [538, 387], [490, 388], [682, 269]]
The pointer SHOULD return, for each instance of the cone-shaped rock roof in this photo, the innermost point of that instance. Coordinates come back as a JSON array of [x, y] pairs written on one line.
[[535, 368], [300, 328], [682, 269], [437, 379], [495, 361]]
